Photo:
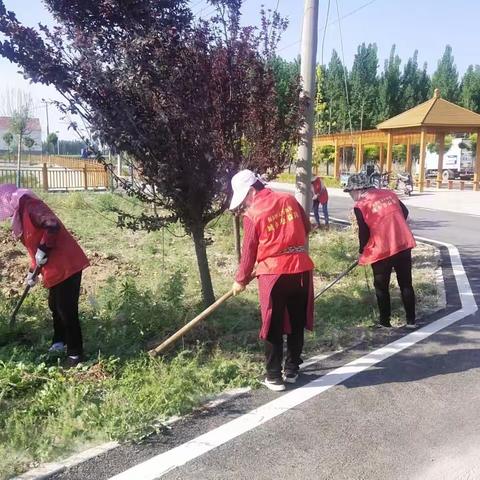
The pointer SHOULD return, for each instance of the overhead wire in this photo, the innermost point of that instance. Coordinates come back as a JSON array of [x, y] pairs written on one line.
[[344, 69], [324, 33], [333, 22]]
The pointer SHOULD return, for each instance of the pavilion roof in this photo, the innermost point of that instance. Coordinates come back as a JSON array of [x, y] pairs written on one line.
[[434, 114]]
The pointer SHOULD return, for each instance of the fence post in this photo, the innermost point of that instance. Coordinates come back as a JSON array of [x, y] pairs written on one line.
[[85, 178], [45, 177]]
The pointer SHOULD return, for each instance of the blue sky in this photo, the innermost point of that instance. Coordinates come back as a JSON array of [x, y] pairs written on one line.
[[426, 25]]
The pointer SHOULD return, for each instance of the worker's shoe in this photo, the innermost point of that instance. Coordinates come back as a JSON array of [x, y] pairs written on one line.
[[411, 325], [290, 377], [383, 324], [73, 360], [57, 347], [275, 384]]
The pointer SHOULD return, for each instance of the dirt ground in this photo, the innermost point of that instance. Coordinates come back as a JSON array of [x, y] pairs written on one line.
[[14, 265]]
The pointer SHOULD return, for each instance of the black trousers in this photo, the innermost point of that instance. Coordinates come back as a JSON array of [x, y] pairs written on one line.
[[63, 303], [382, 270], [289, 292]]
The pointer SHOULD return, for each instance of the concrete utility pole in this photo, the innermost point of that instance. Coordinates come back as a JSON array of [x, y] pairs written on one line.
[[48, 126], [308, 63]]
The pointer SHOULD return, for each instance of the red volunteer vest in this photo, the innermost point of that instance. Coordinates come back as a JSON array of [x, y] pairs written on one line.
[[389, 231], [319, 192], [64, 260], [279, 226]]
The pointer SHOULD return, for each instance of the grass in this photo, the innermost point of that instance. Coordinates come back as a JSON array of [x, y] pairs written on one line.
[[140, 288], [290, 178]]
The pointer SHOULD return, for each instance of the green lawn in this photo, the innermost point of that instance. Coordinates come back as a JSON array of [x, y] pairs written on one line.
[[141, 288]]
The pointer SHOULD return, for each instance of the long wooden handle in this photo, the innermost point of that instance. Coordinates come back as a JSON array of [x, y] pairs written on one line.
[[331, 284], [186, 328]]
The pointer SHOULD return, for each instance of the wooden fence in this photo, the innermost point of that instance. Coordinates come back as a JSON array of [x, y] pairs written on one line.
[[70, 162], [88, 177]]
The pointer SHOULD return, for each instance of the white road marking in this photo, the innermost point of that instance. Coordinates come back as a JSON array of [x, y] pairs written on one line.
[[161, 464]]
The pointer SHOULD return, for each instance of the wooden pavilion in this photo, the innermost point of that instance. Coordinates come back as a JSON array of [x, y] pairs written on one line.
[[426, 123]]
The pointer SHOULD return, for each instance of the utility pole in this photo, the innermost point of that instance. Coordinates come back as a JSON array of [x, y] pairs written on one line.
[[308, 62], [48, 127]]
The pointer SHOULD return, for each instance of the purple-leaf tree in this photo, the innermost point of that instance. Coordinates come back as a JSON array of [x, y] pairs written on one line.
[[189, 102]]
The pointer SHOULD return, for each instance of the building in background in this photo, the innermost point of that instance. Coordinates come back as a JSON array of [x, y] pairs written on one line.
[[34, 131]]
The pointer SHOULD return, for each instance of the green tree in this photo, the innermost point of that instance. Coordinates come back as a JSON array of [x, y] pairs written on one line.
[[389, 91], [324, 156], [286, 74], [473, 146], [364, 87], [19, 128], [433, 147], [335, 96], [470, 89], [29, 142], [424, 85], [8, 139], [415, 84], [52, 139], [445, 77], [321, 107]]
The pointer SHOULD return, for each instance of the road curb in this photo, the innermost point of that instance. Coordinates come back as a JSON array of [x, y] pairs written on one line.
[[48, 470]]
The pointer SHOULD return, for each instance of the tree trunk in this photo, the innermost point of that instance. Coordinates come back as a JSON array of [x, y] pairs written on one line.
[[236, 234], [198, 234]]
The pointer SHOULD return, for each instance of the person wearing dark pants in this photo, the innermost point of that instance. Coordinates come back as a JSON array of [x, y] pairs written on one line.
[[382, 270], [63, 303], [386, 243], [275, 233], [54, 251], [289, 292], [320, 197]]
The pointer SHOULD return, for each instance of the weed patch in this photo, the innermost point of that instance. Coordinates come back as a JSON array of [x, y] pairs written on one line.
[[141, 288]]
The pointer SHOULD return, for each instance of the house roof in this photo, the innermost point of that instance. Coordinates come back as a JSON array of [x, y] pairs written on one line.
[[434, 113], [33, 124]]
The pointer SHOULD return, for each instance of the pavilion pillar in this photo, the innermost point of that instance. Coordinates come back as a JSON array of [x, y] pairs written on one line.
[[408, 161], [476, 176], [381, 158], [441, 153], [359, 154], [389, 152], [423, 147], [336, 165]]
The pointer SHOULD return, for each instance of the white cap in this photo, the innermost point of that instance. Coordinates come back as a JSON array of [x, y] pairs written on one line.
[[241, 183]]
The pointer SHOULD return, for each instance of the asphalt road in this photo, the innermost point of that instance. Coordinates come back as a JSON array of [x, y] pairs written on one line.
[[414, 415]]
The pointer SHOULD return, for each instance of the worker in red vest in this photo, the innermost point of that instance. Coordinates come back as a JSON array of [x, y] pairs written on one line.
[[52, 248], [275, 237], [386, 243], [320, 197]]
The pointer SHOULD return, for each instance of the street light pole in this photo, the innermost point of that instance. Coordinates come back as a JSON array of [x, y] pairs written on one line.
[[308, 63]]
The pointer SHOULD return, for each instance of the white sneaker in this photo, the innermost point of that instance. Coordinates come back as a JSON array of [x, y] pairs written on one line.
[[290, 377], [276, 385], [57, 347]]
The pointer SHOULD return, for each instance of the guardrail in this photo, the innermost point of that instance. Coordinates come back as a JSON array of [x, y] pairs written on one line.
[[88, 177]]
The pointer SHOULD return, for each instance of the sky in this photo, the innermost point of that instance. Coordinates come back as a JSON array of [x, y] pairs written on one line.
[[426, 25]]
